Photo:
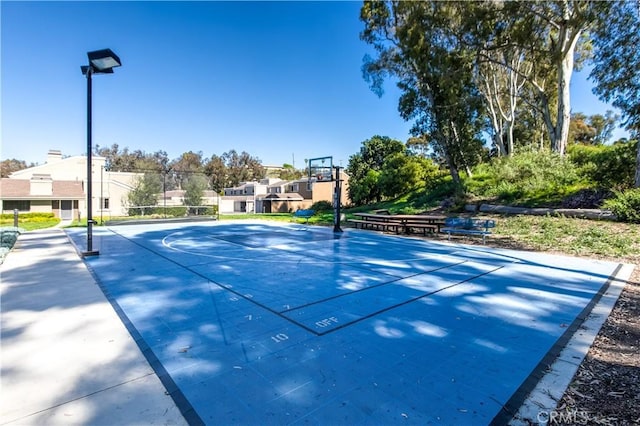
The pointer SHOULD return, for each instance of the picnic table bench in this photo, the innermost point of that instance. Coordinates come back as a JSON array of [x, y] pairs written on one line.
[[304, 214], [379, 222], [398, 223], [469, 226]]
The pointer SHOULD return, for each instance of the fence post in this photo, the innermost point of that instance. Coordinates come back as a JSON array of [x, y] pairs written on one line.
[[15, 218]]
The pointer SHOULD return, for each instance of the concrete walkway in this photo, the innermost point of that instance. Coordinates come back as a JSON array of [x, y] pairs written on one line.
[[66, 356]]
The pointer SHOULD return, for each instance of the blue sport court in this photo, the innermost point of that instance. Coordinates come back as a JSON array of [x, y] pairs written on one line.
[[252, 322]]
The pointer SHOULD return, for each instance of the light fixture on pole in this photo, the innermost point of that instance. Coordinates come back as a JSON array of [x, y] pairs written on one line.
[[100, 62]]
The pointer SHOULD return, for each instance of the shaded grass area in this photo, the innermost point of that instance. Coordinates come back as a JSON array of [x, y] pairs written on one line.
[[579, 237]]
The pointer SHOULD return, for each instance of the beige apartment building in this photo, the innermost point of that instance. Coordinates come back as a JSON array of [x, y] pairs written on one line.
[[59, 186], [278, 196]]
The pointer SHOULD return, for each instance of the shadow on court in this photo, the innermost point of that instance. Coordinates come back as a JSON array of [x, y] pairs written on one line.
[[257, 322]]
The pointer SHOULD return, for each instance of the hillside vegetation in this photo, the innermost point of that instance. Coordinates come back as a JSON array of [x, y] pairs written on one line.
[[588, 177]]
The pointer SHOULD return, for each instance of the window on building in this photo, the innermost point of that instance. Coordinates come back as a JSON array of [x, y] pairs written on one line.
[[309, 186], [20, 205], [104, 203]]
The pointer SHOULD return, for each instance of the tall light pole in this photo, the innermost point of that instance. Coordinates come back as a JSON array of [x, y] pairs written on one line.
[[100, 62]]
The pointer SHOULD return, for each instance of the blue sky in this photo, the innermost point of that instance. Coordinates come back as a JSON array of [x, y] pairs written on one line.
[[280, 80]]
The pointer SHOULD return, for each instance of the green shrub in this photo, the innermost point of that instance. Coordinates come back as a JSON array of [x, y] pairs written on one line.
[[203, 211], [321, 206], [527, 178], [29, 217], [175, 211], [9, 236], [171, 211], [625, 205], [607, 166], [140, 211], [434, 192]]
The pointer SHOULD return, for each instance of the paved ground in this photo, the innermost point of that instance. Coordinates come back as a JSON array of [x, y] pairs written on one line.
[[260, 323], [66, 356]]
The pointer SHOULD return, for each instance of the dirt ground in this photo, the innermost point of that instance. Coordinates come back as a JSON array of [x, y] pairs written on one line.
[[606, 387]]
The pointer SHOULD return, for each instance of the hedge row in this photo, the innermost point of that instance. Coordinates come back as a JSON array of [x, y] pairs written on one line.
[[29, 217], [179, 211], [8, 237]]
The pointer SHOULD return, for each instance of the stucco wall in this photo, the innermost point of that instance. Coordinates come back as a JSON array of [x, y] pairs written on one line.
[[41, 206]]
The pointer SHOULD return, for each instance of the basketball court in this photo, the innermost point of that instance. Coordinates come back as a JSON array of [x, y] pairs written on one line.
[[256, 322]]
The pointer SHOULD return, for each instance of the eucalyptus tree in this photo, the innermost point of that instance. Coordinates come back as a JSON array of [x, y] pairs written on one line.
[[183, 168], [216, 170], [419, 44], [550, 34], [289, 172], [501, 87], [242, 167], [592, 130], [616, 64], [123, 160], [9, 166]]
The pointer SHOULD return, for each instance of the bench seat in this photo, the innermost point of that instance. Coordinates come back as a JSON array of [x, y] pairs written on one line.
[[431, 227], [304, 214], [469, 226], [378, 225]]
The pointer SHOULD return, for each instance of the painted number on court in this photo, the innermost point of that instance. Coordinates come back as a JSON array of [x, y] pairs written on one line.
[[280, 337], [327, 322]]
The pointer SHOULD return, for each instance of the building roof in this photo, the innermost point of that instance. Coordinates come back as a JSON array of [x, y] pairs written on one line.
[[280, 184], [237, 197], [287, 196], [56, 164], [20, 189]]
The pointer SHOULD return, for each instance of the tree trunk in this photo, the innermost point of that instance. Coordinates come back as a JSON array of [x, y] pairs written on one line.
[[453, 170], [489, 95], [546, 115], [497, 140], [456, 138], [565, 70], [510, 138]]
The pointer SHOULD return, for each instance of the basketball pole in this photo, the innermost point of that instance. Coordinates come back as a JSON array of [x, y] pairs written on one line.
[[336, 200]]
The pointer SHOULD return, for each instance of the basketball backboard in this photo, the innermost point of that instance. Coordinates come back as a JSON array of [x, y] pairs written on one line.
[[321, 169]]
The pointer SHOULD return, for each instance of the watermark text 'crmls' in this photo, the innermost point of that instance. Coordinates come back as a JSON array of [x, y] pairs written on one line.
[[555, 417]]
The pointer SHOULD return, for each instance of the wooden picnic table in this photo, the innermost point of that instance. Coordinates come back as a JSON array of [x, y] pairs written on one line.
[[381, 222], [431, 223], [399, 222]]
